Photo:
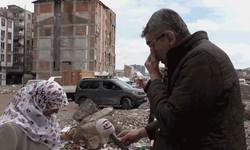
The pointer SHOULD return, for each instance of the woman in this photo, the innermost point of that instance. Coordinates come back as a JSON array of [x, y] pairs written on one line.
[[28, 122]]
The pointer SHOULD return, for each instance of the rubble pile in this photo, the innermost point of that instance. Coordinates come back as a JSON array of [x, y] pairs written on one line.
[[9, 89], [84, 135], [79, 133], [245, 95]]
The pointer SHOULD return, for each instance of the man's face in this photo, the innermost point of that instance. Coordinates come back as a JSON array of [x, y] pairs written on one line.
[[160, 45]]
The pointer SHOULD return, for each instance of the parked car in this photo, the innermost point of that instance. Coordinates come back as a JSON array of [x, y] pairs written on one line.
[[133, 84], [69, 89], [112, 92]]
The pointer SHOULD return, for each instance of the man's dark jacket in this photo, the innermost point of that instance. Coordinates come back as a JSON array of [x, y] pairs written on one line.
[[201, 109]]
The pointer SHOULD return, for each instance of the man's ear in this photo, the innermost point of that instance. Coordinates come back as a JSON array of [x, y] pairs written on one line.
[[171, 37]]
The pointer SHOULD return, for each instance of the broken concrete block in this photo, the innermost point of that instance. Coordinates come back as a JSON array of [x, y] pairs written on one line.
[[99, 114], [87, 108], [87, 133]]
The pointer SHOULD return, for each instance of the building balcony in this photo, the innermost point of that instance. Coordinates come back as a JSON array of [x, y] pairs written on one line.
[[18, 45], [2, 37], [18, 52], [18, 16], [18, 62], [15, 69], [18, 34], [19, 24]]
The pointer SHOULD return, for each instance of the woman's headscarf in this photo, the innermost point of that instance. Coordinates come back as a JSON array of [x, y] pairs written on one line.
[[27, 107]]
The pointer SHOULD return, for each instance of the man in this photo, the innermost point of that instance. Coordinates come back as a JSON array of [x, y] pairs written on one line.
[[165, 76], [165, 81], [201, 107]]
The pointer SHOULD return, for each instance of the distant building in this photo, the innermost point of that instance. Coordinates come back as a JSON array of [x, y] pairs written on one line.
[[6, 50], [119, 73], [73, 35], [128, 71], [22, 43], [243, 73], [139, 68]]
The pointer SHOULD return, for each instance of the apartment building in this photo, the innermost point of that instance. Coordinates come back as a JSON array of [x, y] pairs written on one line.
[[128, 71], [6, 50], [139, 68], [243, 73], [22, 44], [73, 35]]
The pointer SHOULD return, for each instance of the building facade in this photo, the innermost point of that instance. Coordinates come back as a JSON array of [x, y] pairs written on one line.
[[243, 73], [73, 35], [119, 73], [22, 43], [6, 50], [139, 68], [128, 71]]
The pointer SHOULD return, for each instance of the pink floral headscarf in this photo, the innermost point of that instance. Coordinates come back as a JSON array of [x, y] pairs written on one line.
[[26, 112]]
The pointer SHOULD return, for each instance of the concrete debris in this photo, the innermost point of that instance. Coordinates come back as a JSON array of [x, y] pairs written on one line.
[[85, 133], [98, 115], [87, 108], [80, 133], [9, 89]]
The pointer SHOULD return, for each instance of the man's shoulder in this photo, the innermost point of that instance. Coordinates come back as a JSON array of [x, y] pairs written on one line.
[[207, 47]]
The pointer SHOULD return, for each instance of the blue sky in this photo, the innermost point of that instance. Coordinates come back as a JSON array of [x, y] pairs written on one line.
[[226, 22]]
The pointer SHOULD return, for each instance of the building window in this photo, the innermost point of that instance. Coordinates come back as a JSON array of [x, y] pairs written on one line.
[[2, 57], [5, 14], [9, 35], [15, 15], [9, 58], [10, 24], [2, 35], [2, 45], [3, 22], [16, 50], [29, 16], [9, 47]]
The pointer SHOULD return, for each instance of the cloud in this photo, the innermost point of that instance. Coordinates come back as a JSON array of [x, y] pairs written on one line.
[[179, 8], [229, 15], [115, 4], [227, 23], [131, 51], [131, 18], [203, 25], [238, 53]]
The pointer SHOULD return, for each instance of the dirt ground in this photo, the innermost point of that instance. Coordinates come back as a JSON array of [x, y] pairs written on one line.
[[4, 101], [129, 119]]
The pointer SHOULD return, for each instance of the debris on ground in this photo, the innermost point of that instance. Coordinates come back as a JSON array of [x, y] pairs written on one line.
[[80, 133]]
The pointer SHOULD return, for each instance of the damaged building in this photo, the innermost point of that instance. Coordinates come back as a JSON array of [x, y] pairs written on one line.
[[73, 35], [17, 54]]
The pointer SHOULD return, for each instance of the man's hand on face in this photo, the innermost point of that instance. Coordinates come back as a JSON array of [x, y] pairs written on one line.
[[152, 65]]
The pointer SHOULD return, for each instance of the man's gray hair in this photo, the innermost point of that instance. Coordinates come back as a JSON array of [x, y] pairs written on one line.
[[166, 19]]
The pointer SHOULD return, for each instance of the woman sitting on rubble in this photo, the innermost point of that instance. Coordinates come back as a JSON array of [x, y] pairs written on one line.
[[29, 123]]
